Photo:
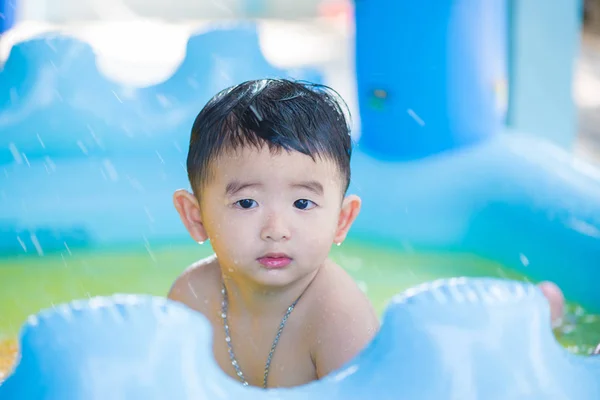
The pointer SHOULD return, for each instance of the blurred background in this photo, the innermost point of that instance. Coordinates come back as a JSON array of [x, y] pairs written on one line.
[[321, 30], [85, 197], [587, 83]]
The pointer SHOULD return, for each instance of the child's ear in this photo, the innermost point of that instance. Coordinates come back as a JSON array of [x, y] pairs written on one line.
[[348, 213], [189, 211]]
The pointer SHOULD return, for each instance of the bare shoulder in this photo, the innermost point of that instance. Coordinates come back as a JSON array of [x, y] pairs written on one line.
[[198, 285], [344, 319]]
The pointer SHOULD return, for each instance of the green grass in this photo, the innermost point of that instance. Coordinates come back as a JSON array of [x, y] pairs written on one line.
[[28, 284]]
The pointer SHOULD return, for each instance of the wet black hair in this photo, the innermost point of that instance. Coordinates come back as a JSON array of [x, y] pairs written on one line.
[[283, 114]]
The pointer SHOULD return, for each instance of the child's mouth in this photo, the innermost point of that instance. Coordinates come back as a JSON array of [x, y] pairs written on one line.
[[274, 261]]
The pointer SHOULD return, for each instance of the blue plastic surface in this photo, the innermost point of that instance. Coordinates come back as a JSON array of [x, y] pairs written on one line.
[[457, 339], [54, 79], [7, 14], [431, 75]]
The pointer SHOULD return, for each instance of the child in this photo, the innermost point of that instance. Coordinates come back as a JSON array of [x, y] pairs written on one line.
[[269, 165]]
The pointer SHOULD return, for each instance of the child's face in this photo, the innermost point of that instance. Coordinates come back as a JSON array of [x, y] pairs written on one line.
[[270, 217]]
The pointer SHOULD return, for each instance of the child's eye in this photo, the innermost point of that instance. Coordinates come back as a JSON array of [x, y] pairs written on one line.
[[303, 204], [246, 203]]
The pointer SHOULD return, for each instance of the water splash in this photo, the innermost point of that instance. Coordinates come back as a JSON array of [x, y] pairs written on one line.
[[150, 216], [117, 97], [84, 149], [109, 170], [15, 153], [162, 161], [36, 244], [49, 164], [26, 159], [148, 249], [41, 141], [22, 243], [68, 249], [414, 116]]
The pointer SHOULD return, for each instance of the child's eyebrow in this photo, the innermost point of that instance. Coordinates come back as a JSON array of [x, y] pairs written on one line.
[[235, 186], [313, 186]]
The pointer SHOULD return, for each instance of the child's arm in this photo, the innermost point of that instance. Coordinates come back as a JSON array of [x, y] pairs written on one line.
[[344, 329]]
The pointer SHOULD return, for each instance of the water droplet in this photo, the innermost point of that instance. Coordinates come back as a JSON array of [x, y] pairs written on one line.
[[84, 149], [22, 243], [163, 101], [150, 217], [414, 116], [160, 157], [26, 160], [117, 96], [110, 169], [524, 259], [41, 141], [149, 250], [94, 136], [36, 244], [15, 153], [135, 184], [49, 163], [193, 83]]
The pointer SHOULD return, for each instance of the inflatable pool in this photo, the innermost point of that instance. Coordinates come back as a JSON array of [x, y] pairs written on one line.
[[90, 164], [468, 339]]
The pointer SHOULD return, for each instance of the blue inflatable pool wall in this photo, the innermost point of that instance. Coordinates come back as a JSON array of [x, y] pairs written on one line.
[[456, 168], [437, 87], [457, 339], [7, 14]]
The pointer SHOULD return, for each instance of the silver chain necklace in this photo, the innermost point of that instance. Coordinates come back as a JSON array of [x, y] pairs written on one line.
[[240, 374]]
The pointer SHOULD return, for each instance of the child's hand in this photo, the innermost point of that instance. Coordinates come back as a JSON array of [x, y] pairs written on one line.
[[556, 299]]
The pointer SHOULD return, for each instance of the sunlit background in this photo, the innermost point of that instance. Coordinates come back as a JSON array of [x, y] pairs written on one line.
[[138, 45]]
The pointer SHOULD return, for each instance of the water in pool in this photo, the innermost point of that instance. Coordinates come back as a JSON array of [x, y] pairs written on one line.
[[28, 284]]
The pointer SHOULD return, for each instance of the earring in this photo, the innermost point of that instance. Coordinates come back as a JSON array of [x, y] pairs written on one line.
[[338, 244], [201, 242]]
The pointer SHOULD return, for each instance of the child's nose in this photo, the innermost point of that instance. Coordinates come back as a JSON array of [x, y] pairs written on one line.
[[275, 229]]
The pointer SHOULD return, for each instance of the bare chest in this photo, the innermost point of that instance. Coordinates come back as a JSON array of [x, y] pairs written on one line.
[[251, 342]]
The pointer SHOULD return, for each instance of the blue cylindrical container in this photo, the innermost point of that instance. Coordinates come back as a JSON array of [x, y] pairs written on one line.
[[431, 75]]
